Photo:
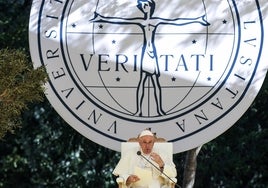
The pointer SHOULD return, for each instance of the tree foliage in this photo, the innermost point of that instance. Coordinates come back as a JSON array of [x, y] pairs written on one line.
[[19, 86], [238, 158], [46, 152], [14, 16]]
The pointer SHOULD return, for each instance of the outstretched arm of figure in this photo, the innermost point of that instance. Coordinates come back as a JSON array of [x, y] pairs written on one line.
[[115, 20], [184, 21]]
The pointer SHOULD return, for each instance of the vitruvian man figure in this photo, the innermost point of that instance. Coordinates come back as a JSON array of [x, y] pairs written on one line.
[[149, 59]]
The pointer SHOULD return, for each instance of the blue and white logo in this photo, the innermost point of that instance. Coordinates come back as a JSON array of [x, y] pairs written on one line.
[[186, 69]]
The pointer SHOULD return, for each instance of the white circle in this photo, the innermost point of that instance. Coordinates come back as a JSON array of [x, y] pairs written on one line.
[[201, 68]]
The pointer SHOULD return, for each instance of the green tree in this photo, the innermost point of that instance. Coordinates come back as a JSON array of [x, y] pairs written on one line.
[[46, 152], [19, 85], [238, 158], [14, 17]]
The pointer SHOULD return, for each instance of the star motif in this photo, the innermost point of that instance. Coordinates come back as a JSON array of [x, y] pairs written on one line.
[[73, 25], [113, 41], [194, 41], [209, 78], [100, 26], [173, 79], [224, 21], [118, 79]]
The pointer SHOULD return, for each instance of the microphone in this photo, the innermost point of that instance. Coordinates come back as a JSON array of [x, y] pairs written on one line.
[[139, 153]]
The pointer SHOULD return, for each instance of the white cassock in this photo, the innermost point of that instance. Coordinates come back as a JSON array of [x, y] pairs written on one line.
[[131, 162]]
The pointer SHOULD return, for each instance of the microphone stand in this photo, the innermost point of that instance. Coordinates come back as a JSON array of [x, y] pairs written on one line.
[[139, 153]]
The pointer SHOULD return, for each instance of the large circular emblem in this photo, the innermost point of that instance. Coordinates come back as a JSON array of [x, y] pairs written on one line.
[[187, 70]]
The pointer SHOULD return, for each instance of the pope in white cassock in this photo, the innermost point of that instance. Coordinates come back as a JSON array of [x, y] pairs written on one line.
[[132, 163]]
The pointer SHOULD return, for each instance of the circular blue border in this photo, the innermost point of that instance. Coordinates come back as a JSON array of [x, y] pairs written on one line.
[[177, 139]]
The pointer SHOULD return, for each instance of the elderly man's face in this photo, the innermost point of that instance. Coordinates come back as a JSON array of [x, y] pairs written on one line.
[[146, 144]]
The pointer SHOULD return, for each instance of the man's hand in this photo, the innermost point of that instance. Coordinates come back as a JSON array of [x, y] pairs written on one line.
[[132, 179], [156, 158]]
